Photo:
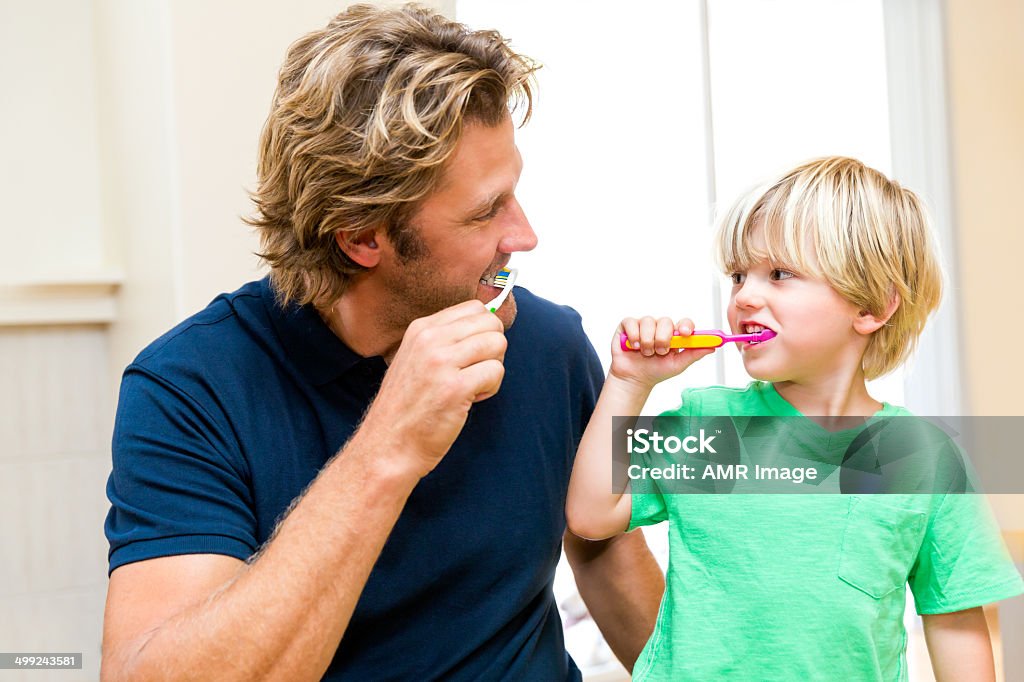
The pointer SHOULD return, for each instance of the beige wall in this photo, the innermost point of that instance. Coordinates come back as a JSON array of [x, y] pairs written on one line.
[[985, 63], [49, 185], [986, 90], [55, 434], [985, 53]]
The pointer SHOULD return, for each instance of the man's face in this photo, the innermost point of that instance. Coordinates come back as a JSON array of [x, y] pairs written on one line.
[[468, 229]]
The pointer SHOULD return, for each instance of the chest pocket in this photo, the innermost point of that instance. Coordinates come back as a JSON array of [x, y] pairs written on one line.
[[880, 544]]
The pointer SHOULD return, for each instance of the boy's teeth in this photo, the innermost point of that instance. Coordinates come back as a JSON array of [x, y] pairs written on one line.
[[753, 328]]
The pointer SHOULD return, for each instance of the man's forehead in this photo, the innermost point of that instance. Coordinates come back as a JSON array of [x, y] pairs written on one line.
[[486, 164]]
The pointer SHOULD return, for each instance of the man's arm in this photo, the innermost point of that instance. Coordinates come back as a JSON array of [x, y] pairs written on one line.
[[208, 617], [959, 646], [283, 614], [622, 586]]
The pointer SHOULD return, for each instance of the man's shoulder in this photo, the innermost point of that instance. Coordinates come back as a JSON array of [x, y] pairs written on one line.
[[550, 338], [206, 336], [541, 315]]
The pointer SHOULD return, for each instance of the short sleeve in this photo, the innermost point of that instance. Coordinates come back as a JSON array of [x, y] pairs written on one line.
[[646, 509], [963, 562], [591, 383], [648, 505], [178, 484]]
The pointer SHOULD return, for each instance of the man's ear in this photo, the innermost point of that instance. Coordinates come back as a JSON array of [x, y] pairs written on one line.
[[361, 247], [866, 323]]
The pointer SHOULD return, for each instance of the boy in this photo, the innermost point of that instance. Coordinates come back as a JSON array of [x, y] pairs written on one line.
[[838, 261]]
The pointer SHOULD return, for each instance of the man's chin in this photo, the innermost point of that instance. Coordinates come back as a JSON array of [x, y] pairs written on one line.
[[507, 312]]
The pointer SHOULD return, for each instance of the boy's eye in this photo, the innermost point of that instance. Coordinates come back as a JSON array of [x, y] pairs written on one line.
[[780, 274], [737, 277]]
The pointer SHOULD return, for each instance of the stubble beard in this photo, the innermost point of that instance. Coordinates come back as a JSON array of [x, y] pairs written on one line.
[[418, 291]]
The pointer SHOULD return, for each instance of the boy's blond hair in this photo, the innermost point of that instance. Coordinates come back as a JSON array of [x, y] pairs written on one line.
[[870, 236]]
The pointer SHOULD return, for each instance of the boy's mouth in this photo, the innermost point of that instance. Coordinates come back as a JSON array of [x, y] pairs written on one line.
[[755, 328]]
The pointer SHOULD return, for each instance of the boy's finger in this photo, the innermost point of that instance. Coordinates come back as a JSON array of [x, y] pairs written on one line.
[[664, 329], [685, 326], [648, 325], [630, 326]]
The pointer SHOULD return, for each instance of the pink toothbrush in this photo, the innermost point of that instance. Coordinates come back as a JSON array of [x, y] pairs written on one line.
[[706, 338]]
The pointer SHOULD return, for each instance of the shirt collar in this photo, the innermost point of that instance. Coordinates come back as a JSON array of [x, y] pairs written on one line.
[[309, 343]]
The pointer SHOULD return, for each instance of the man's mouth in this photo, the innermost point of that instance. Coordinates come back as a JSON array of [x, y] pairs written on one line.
[[488, 279]]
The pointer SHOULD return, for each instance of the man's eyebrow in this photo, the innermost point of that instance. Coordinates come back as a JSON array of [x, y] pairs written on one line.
[[499, 196], [487, 203]]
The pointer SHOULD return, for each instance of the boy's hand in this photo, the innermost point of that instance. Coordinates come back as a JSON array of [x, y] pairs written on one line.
[[655, 361]]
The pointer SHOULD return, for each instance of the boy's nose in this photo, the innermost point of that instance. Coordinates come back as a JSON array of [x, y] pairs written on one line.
[[519, 236], [749, 297]]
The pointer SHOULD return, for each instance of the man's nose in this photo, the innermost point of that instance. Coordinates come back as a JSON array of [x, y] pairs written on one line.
[[519, 234]]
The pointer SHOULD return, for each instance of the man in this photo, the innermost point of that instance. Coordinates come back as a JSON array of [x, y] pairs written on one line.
[[352, 469]]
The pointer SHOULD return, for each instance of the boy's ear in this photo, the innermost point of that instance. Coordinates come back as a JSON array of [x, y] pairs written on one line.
[[361, 247], [866, 323]]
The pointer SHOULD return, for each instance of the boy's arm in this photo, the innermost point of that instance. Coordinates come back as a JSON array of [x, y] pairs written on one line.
[[959, 646], [592, 510]]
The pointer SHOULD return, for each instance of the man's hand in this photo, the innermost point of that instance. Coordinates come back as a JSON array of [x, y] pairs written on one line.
[[446, 362]]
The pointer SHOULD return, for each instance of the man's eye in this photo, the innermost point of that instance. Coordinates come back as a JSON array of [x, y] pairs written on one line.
[[737, 277], [493, 212], [780, 274]]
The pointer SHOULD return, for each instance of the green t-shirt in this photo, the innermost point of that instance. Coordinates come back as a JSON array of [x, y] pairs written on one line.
[[809, 586]]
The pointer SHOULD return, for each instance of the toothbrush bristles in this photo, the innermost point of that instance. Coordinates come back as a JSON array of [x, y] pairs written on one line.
[[504, 280]]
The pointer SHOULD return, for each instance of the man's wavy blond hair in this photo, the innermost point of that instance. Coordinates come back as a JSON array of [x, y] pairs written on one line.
[[366, 112], [870, 236]]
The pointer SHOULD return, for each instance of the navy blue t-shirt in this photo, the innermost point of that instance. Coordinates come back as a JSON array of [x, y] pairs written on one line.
[[225, 419]]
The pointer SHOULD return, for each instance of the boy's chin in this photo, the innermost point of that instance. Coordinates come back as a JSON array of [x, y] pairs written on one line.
[[761, 373]]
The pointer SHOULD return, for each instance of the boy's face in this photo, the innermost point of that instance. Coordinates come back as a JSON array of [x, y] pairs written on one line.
[[816, 339]]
